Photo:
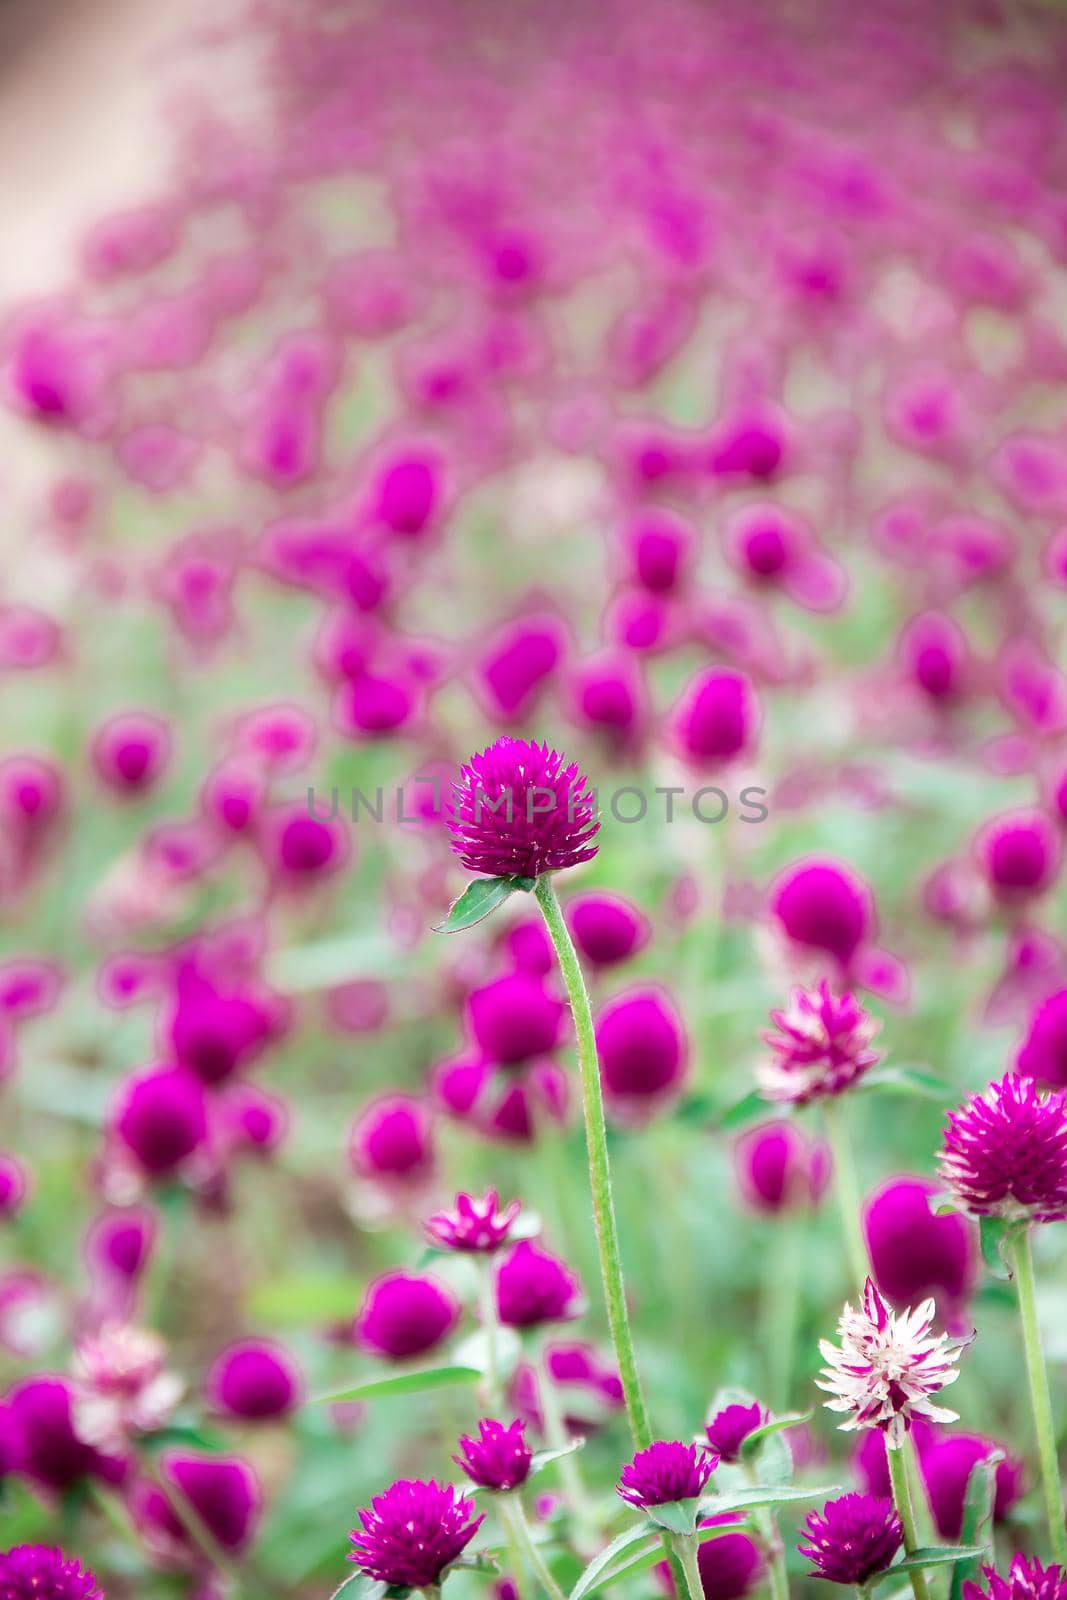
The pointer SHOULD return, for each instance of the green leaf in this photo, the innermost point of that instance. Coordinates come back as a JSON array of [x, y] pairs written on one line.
[[790, 1419], [479, 900], [932, 1556], [773, 1494], [544, 1458], [995, 1234], [360, 1587], [773, 1461], [401, 1383], [977, 1523], [654, 1552], [594, 1573], [748, 1109], [907, 1080], [677, 1516]]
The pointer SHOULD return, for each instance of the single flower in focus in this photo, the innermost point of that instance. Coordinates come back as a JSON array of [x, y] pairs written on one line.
[[1027, 1580], [728, 1429], [474, 1226], [42, 1572], [1005, 1152], [852, 1538], [122, 1387], [668, 1470], [519, 811], [499, 1458], [887, 1368], [413, 1533], [820, 1046]]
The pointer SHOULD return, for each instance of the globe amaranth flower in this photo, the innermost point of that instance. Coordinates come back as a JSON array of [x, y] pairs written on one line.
[[888, 1366], [668, 1470], [852, 1538], [1005, 1152], [499, 1458], [728, 1429], [43, 1572], [476, 1227], [1026, 1580], [413, 1532], [533, 1287], [518, 810], [122, 1386], [820, 1046]]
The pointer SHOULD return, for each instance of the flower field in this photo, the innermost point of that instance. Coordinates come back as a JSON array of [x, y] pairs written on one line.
[[533, 793]]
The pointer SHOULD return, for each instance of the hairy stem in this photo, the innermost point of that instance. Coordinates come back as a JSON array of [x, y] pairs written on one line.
[[1040, 1399], [514, 1518], [685, 1547], [898, 1478]]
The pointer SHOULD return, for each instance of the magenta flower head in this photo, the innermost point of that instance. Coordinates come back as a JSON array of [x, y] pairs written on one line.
[[403, 1316], [779, 1168], [668, 1470], [821, 904], [130, 751], [534, 1287], [223, 1491], [1043, 1053], [392, 1142], [643, 1051], [1027, 1580], [160, 1117], [1005, 1152], [42, 1572], [820, 1046], [888, 1367], [852, 1539], [728, 1429], [717, 719], [607, 929], [40, 1414], [14, 1185], [915, 1253], [518, 811], [946, 1462], [514, 1018], [499, 1458], [474, 1227], [413, 1533], [255, 1380], [1019, 854]]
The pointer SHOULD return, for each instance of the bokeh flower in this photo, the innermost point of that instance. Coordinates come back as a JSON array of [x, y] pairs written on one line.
[[821, 1044], [474, 1226], [534, 1287]]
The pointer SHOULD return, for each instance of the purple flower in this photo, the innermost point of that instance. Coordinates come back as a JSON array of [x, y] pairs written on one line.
[[391, 1142], [643, 1050], [821, 904], [499, 1458], [473, 1226], [130, 751], [50, 1452], [888, 1367], [533, 1287], [42, 1572], [668, 1470], [607, 929], [160, 1116], [853, 1538], [822, 1045], [1026, 1580], [717, 718], [1043, 1053], [946, 1462], [729, 1428], [514, 1018], [779, 1168], [915, 1253], [256, 1380], [1005, 1152], [1019, 854], [519, 811], [14, 1185], [223, 1491], [403, 1316], [413, 1532]]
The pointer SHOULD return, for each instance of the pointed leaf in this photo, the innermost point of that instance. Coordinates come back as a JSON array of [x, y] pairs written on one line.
[[774, 1494], [995, 1234], [977, 1523], [478, 901], [655, 1552], [544, 1458], [359, 1587], [677, 1516], [401, 1383], [600, 1564], [791, 1419], [748, 1109], [932, 1556], [907, 1080]]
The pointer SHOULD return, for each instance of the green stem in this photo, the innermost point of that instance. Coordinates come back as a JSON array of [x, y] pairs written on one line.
[[489, 1328], [847, 1190], [898, 1478], [607, 1233], [781, 1306], [767, 1526], [684, 1546], [514, 1518], [557, 1439], [1040, 1399]]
